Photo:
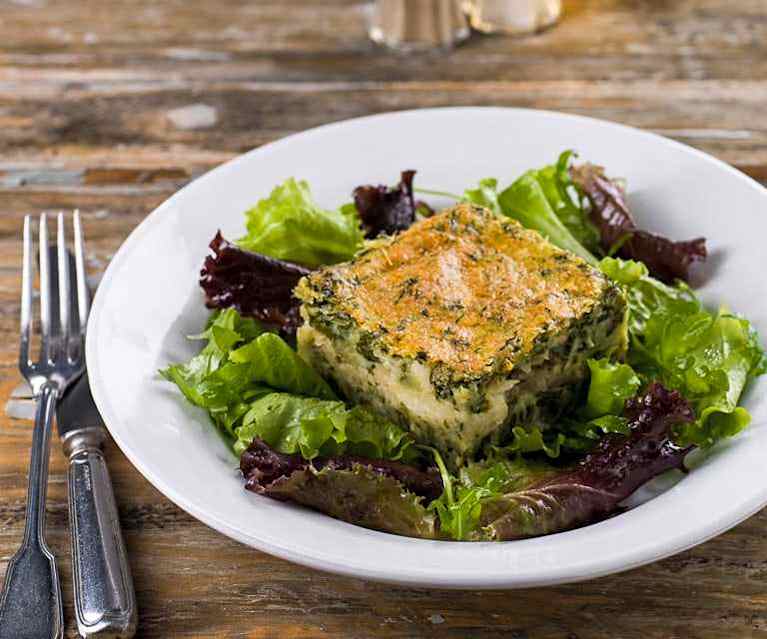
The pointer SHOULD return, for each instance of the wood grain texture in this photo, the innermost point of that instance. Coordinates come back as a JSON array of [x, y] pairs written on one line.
[[95, 113]]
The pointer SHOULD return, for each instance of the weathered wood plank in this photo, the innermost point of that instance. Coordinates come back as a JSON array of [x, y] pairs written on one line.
[[720, 117], [688, 39]]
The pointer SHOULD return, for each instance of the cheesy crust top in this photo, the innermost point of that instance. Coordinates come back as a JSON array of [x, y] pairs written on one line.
[[466, 289]]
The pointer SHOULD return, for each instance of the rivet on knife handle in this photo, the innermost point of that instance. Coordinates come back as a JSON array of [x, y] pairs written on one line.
[[105, 601]]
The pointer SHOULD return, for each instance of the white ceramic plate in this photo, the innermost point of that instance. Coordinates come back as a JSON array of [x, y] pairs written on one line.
[[149, 300]]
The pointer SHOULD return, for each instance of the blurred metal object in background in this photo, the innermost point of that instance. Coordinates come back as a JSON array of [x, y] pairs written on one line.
[[512, 16], [418, 25]]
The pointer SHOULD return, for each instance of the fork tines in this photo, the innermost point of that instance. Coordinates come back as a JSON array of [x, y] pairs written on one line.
[[61, 338]]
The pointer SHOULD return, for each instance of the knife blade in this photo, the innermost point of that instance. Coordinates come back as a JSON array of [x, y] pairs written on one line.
[[77, 409], [105, 600]]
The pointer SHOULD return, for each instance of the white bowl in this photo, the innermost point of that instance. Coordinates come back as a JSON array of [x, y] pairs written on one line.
[[149, 300]]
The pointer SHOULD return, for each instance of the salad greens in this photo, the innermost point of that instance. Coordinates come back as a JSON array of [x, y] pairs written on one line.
[[541, 199], [460, 507], [288, 225], [254, 385], [611, 384], [608, 210], [299, 440], [315, 427], [708, 357], [385, 495]]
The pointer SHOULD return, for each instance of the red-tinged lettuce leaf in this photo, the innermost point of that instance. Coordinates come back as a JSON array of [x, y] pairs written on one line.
[[255, 285], [377, 494], [666, 259], [262, 465], [594, 488], [386, 210]]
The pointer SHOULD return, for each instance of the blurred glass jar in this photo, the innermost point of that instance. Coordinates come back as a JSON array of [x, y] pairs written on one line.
[[512, 16], [418, 25]]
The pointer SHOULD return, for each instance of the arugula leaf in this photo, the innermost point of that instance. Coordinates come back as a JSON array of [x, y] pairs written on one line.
[[708, 357], [459, 508], [314, 427], [288, 225]]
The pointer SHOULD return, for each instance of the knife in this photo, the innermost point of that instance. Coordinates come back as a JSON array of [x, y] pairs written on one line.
[[105, 601]]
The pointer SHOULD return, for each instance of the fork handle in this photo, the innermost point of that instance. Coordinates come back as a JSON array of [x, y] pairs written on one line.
[[105, 601], [30, 602]]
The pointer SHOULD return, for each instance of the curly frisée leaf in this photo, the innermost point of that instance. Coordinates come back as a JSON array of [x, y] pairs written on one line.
[[288, 225]]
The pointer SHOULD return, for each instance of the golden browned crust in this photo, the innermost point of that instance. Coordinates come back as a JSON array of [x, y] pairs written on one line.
[[465, 289]]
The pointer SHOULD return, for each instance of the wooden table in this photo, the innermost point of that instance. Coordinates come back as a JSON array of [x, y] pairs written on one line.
[[111, 106]]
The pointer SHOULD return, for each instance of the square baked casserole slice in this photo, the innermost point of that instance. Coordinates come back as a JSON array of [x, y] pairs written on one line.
[[460, 327]]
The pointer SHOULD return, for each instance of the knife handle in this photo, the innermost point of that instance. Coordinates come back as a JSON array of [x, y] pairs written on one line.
[[105, 601]]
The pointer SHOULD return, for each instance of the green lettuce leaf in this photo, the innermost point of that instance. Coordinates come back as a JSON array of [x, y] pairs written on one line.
[[289, 225], [270, 360], [525, 201], [209, 380], [648, 297], [559, 189], [708, 357], [610, 385], [239, 364], [314, 427], [486, 195], [547, 201], [532, 439]]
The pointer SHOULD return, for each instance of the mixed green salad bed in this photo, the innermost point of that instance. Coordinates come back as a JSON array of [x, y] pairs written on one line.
[[299, 440]]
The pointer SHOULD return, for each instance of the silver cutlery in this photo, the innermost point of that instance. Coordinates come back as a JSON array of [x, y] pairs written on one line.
[[30, 604], [105, 601]]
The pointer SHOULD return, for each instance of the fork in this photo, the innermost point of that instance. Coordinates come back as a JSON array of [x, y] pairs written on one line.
[[30, 604]]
